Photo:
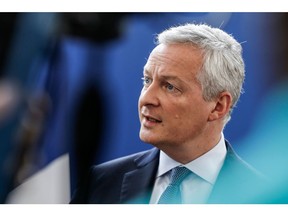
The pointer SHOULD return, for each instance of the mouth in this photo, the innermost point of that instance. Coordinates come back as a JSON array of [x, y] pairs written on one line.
[[151, 119]]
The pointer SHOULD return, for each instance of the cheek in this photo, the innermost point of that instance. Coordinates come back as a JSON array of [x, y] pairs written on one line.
[[182, 118], [178, 116], [179, 109], [188, 114]]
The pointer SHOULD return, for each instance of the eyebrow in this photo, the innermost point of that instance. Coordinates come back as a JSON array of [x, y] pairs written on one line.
[[179, 80], [166, 77]]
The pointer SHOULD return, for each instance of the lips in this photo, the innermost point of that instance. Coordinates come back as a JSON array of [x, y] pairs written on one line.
[[150, 120]]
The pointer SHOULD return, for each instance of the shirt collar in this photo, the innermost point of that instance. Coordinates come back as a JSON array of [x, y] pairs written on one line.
[[206, 166]]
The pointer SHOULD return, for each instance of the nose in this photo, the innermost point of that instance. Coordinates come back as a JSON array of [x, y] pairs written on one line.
[[149, 96]]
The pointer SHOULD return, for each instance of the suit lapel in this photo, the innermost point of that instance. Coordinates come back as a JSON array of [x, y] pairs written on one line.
[[137, 184]]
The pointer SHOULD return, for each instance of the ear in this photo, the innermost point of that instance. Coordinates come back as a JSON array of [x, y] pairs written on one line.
[[223, 104]]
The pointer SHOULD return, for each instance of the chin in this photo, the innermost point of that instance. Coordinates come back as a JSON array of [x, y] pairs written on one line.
[[148, 138], [151, 139]]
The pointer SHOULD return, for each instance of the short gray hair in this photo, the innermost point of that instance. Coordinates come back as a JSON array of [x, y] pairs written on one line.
[[223, 66]]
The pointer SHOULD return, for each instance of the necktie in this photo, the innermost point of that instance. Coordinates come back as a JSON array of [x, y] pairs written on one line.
[[172, 194]]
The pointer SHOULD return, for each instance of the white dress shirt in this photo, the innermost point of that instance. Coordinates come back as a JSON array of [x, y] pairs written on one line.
[[196, 187]]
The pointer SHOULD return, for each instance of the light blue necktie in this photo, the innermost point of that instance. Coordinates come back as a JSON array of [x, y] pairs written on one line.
[[172, 194]]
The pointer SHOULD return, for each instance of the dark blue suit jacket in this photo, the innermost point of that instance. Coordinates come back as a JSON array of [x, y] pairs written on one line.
[[130, 179]]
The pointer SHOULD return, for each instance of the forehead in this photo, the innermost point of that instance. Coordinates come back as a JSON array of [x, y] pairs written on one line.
[[183, 59]]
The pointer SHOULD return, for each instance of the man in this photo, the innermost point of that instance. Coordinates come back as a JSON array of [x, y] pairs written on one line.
[[191, 83]]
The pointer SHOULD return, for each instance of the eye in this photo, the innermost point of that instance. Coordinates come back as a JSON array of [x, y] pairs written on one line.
[[170, 87], [146, 81]]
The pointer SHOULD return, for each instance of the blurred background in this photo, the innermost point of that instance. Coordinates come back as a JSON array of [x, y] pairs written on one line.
[[69, 87]]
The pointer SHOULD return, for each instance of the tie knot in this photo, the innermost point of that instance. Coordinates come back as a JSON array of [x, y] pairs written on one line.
[[178, 174]]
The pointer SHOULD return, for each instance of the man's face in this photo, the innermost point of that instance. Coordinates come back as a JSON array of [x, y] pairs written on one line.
[[172, 110]]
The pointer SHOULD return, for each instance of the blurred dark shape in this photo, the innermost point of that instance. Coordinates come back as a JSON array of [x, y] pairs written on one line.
[[278, 53], [89, 124], [7, 24], [98, 27], [10, 98]]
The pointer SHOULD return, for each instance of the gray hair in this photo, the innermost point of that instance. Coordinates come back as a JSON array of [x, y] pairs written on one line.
[[223, 66]]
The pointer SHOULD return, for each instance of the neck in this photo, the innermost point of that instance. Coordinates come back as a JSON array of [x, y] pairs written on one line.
[[187, 152]]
